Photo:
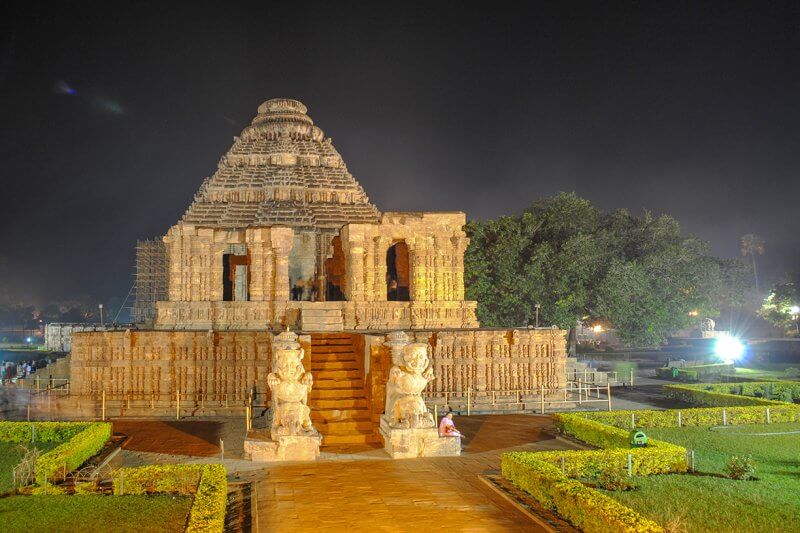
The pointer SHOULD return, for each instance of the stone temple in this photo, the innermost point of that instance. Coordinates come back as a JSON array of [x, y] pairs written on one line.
[[282, 235]]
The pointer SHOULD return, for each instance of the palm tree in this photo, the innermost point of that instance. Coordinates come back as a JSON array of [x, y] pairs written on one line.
[[753, 245]]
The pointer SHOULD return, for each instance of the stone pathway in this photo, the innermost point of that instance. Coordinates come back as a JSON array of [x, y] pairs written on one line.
[[379, 494], [359, 488]]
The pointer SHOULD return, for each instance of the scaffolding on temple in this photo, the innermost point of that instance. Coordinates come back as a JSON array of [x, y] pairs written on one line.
[[150, 280]]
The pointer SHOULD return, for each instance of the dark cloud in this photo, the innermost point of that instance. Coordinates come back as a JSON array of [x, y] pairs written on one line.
[[683, 109]]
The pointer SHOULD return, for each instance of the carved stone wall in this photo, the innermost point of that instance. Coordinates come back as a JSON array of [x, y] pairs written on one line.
[[144, 364], [481, 361]]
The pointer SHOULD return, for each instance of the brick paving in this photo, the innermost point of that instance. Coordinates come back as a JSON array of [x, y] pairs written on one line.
[[364, 491]]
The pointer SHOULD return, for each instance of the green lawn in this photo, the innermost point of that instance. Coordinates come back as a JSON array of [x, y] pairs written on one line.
[[710, 503], [10, 456], [142, 514]]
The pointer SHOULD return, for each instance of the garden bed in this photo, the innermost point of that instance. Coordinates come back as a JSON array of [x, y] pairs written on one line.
[[708, 501]]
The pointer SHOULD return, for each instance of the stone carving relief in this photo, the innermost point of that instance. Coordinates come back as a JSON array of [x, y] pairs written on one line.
[[289, 384], [410, 374]]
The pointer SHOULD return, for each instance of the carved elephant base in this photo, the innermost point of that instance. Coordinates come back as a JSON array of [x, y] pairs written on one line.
[[417, 442], [259, 446]]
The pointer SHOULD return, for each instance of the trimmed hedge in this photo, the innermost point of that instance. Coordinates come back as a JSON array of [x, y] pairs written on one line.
[[781, 391], [717, 416], [656, 458], [82, 441], [208, 483], [547, 476], [584, 507], [699, 395], [208, 509], [20, 432], [693, 373], [54, 465]]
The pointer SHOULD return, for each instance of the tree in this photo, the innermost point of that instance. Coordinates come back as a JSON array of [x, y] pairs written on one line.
[[639, 274], [753, 245], [779, 308]]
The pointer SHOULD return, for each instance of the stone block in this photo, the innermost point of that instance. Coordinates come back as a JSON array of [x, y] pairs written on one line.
[[258, 446], [417, 442]]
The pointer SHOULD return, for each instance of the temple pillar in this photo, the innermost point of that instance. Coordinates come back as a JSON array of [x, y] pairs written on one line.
[[281, 239]]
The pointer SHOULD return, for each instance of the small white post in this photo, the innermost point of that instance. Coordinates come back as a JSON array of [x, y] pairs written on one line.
[[221, 450], [468, 402], [541, 397], [692, 454], [103, 405], [633, 420], [177, 404], [630, 465], [679, 419], [769, 421], [724, 417], [608, 393]]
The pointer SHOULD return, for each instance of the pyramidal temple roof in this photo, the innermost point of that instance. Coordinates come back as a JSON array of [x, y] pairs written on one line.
[[281, 170]]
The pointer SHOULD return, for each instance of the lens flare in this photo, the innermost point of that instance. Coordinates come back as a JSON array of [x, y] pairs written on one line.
[[729, 349]]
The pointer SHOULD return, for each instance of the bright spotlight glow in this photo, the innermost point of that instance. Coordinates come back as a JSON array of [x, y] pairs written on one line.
[[28, 339], [729, 348], [597, 329], [795, 310]]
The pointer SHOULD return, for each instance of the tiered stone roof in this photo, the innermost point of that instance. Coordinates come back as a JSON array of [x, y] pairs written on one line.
[[281, 170]]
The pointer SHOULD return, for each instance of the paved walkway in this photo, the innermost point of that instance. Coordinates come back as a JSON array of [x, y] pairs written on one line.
[[373, 493], [358, 489]]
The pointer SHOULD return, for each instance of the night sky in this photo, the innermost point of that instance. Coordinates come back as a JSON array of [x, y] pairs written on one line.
[[112, 114]]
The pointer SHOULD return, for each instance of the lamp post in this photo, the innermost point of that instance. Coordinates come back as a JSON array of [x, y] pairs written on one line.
[[537, 307], [101, 315]]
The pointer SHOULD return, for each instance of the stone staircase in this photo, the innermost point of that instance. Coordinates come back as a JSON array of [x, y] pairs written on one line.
[[338, 401]]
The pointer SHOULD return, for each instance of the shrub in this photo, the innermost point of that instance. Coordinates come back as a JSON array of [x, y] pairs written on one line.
[[740, 467], [614, 479], [22, 432], [208, 511], [584, 507], [792, 372], [55, 464]]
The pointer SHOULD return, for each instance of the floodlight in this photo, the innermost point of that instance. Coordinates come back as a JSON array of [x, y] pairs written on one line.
[[729, 348], [795, 310]]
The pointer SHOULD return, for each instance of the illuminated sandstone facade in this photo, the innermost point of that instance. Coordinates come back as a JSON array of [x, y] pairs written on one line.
[[282, 234]]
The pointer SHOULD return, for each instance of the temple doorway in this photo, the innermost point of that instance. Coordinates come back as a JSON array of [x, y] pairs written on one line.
[[235, 276], [334, 272], [397, 273], [303, 268]]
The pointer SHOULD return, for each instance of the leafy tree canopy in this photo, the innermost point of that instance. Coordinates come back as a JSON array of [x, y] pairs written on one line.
[[780, 307], [639, 275]]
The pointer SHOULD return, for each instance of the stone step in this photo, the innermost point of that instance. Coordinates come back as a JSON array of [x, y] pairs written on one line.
[[322, 383], [354, 438], [333, 365], [329, 336], [321, 404], [344, 427], [328, 394], [327, 415], [333, 357], [337, 374], [335, 348]]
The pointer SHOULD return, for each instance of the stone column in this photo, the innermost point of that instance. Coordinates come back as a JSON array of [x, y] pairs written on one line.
[[282, 239]]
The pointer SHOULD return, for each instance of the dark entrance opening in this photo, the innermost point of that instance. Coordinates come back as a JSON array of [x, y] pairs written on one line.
[[334, 273], [397, 273], [234, 278]]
